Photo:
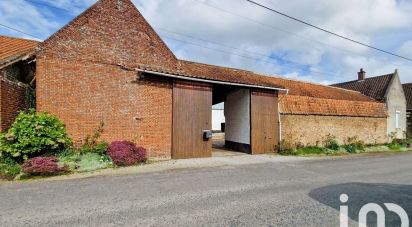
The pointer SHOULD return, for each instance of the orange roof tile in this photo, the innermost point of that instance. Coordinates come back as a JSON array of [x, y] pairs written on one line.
[[304, 105], [212, 72], [303, 98], [13, 48]]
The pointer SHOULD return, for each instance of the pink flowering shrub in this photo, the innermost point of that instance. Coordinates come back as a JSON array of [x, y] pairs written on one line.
[[44, 166], [125, 153]]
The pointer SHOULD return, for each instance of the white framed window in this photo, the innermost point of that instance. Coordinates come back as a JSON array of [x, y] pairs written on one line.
[[398, 119]]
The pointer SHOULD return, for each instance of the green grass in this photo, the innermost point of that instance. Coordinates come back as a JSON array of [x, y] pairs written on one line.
[[91, 162], [344, 149], [86, 162], [311, 151], [9, 171]]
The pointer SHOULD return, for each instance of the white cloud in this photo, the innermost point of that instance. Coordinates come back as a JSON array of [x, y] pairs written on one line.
[[25, 17], [295, 50], [406, 49], [332, 61]]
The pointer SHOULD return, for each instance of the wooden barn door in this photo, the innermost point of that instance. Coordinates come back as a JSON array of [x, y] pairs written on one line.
[[264, 122], [192, 114]]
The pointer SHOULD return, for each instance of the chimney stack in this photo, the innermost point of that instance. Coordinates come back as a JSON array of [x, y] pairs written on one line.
[[361, 74]]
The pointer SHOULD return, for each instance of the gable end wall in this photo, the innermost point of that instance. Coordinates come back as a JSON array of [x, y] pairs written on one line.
[[82, 77], [396, 101]]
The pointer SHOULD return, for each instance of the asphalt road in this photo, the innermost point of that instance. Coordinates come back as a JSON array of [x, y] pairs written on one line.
[[304, 193]]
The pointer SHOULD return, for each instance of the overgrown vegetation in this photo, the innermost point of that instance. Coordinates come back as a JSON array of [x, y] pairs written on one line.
[[9, 169], [90, 156], [34, 134], [331, 143], [37, 144], [350, 146]]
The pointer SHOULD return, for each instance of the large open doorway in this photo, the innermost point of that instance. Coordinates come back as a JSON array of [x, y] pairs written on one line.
[[235, 130], [250, 119]]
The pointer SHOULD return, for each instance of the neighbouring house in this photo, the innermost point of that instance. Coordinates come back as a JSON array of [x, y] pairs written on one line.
[[218, 118], [17, 69], [407, 88], [386, 89], [109, 65]]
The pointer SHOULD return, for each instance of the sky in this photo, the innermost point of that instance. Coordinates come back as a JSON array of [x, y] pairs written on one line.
[[236, 33]]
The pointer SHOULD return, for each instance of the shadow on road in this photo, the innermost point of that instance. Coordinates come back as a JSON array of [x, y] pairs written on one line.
[[362, 193]]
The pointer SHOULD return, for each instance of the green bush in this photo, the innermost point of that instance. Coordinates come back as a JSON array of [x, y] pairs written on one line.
[[354, 145], [395, 146], [100, 149], [331, 143], [34, 134], [93, 144], [350, 148], [9, 169]]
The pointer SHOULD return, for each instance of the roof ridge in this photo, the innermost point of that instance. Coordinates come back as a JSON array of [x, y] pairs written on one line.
[[271, 76], [224, 67], [368, 78], [306, 82]]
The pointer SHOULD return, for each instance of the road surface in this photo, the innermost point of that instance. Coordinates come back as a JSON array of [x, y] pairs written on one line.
[[303, 193]]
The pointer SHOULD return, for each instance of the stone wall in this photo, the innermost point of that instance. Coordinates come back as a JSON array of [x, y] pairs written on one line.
[[313, 129]]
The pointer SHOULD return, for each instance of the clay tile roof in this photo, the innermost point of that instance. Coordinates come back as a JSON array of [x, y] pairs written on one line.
[[303, 98], [304, 105], [227, 74], [407, 88], [215, 73], [14, 48], [301, 88], [374, 87]]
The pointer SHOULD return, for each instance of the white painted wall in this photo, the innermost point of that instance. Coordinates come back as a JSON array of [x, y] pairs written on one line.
[[218, 117], [396, 101], [237, 112]]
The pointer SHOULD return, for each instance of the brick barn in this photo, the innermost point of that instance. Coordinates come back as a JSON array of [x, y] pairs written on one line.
[[109, 65], [17, 69]]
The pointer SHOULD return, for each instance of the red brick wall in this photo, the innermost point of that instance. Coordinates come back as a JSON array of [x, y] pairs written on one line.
[[110, 32], [84, 94], [82, 77], [13, 99]]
